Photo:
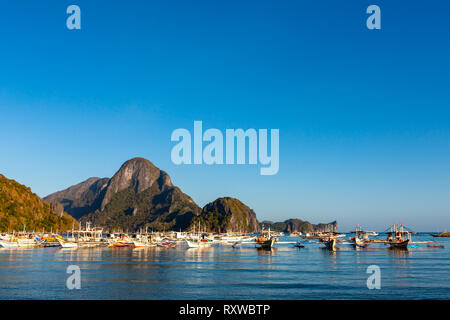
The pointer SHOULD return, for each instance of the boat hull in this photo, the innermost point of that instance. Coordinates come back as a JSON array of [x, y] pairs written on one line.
[[267, 244], [399, 245], [139, 244], [358, 243], [330, 244], [8, 244], [200, 244], [67, 244]]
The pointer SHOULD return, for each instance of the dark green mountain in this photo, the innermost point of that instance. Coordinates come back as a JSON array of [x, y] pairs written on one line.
[[226, 215], [19, 208], [138, 196]]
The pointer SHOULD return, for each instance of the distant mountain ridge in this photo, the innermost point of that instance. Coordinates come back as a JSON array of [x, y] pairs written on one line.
[[297, 225]]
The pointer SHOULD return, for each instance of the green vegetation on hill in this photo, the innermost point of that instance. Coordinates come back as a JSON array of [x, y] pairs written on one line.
[[20, 207], [226, 215]]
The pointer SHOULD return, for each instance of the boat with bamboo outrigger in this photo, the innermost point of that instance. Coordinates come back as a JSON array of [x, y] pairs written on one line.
[[330, 240], [361, 238], [398, 236], [327, 236], [262, 240], [199, 241], [265, 240], [119, 240]]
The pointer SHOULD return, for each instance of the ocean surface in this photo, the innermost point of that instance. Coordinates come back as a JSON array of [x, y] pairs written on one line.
[[223, 272]]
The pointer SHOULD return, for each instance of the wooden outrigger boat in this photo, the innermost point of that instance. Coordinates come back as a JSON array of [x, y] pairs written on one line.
[[199, 242], [50, 240], [398, 237], [441, 235], [330, 242], [144, 241], [119, 241], [198, 239], [90, 237], [265, 240], [361, 238]]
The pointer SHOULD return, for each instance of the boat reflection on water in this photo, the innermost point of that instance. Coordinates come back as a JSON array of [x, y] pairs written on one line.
[[400, 253], [266, 257], [200, 254], [265, 250], [330, 253]]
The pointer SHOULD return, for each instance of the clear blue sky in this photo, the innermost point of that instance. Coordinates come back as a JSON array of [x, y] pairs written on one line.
[[364, 116]]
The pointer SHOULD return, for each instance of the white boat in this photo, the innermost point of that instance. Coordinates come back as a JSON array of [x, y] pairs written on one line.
[[198, 244], [5, 237], [26, 242], [231, 239], [22, 239], [90, 237], [8, 244], [143, 244], [67, 244], [143, 240], [139, 244]]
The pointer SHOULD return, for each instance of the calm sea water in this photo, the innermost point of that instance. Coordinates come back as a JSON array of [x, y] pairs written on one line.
[[224, 272]]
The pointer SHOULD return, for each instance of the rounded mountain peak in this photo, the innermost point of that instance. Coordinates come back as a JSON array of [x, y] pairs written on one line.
[[138, 174]]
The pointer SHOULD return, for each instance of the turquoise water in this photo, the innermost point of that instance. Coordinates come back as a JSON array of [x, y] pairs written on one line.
[[224, 272]]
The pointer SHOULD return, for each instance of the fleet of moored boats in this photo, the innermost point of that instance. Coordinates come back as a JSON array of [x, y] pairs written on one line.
[[398, 237]]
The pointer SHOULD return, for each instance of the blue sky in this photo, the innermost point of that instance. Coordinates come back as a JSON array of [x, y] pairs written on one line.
[[363, 114]]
